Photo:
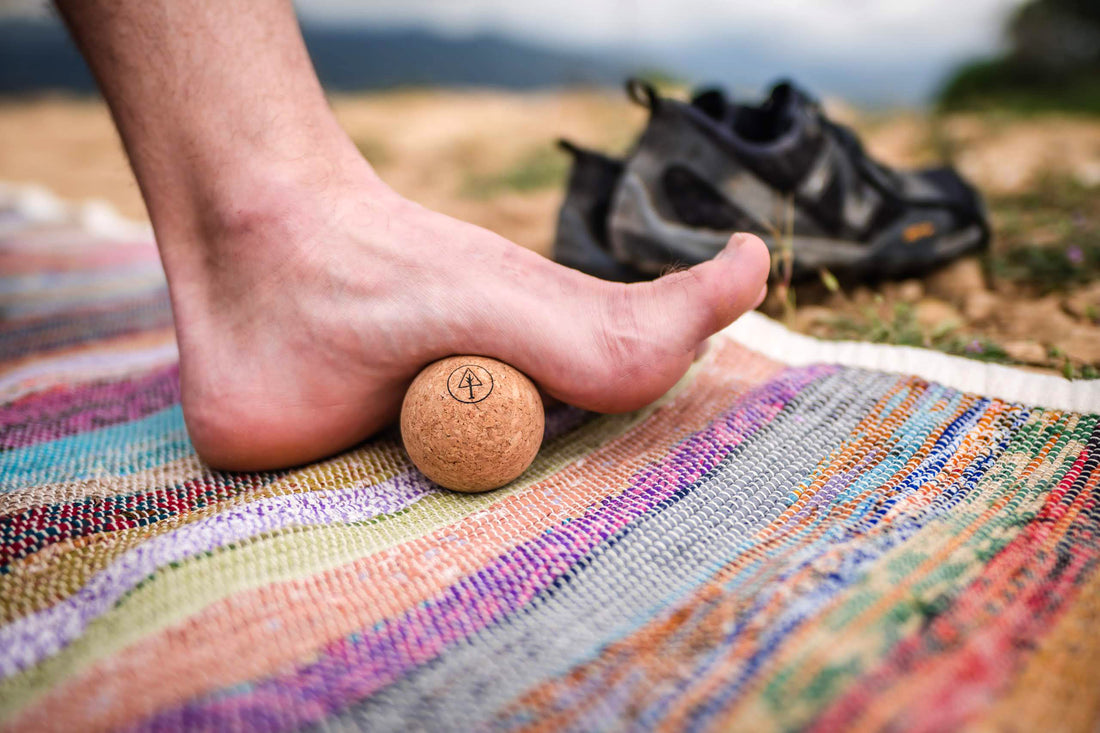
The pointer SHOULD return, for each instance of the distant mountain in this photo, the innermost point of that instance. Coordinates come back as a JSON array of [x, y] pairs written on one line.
[[746, 63], [348, 59], [38, 55]]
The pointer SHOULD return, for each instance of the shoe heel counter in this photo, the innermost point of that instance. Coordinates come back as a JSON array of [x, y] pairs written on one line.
[[578, 247], [591, 174]]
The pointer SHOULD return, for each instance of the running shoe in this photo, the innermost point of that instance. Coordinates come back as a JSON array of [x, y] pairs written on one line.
[[581, 241], [705, 169]]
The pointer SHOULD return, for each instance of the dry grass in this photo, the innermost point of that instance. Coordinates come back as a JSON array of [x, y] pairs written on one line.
[[487, 157]]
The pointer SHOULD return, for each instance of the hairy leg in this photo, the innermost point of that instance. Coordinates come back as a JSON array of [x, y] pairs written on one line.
[[306, 293]]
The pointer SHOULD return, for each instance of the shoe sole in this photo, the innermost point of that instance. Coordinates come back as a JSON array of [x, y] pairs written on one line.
[[651, 244]]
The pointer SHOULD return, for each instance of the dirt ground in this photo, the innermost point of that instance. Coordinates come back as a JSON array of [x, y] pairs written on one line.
[[488, 157]]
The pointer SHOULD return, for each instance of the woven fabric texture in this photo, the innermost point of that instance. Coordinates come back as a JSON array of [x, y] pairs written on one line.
[[780, 543]]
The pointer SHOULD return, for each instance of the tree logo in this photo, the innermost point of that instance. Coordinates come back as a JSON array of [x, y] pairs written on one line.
[[470, 383]]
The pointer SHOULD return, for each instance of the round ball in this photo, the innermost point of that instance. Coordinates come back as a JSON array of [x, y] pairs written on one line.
[[472, 423]]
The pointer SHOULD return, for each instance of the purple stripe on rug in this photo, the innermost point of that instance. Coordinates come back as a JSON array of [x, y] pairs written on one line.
[[62, 412], [28, 640], [39, 335], [357, 666]]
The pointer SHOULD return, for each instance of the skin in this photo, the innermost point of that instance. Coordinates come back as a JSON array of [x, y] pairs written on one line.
[[306, 293]]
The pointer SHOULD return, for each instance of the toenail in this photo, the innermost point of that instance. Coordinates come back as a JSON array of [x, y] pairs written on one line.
[[730, 250]]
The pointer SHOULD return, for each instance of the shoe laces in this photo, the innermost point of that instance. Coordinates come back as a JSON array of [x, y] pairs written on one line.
[[882, 178]]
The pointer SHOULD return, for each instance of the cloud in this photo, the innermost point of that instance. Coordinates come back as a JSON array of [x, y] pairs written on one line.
[[955, 27], [24, 8]]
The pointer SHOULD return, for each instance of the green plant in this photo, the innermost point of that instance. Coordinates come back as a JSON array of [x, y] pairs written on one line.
[[1062, 212], [1052, 63], [1005, 84], [900, 327], [783, 264], [541, 168]]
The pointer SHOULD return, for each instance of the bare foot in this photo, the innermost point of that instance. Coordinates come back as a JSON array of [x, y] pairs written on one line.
[[307, 294], [309, 307]]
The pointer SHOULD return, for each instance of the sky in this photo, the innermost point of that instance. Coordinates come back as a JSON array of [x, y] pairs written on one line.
[[955, 26], [881, 52], [874, 51], [960, 27]]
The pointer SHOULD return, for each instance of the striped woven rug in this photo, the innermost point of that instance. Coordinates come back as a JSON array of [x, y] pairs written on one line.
[[800, 535]]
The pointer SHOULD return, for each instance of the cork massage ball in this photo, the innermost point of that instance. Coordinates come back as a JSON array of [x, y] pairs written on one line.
[[472, 423]]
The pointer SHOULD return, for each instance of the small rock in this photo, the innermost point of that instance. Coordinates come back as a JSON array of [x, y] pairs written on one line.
[[935, 314], [1083, 345], [1028, 352], [957, 280], [837, 300], [980, 306], [1088, 173], [1025, 319], [1039, 236], [863, 295], [910, 291], [1085, 303], [811, 315]]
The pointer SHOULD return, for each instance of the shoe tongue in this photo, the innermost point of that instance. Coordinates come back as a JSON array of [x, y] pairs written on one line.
[[714, 103], [783, 110], [787, 104], [763, 123], [786, 91]]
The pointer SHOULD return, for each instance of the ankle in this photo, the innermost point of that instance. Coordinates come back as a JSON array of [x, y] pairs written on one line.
[[258, 210]]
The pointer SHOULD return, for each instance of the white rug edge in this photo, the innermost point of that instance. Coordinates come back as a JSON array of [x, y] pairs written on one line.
[[772, 339]]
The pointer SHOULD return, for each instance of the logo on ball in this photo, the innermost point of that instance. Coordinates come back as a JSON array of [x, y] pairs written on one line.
[[470, 383]]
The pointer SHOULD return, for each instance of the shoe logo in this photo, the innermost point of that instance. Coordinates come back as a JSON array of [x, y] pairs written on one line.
[[920, 230], [470, 383]]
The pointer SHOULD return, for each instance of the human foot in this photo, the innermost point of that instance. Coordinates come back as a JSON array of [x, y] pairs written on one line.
[[306, 294], [302, 322]]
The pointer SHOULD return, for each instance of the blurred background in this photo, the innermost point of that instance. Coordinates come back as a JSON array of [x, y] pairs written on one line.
[[458, 104]]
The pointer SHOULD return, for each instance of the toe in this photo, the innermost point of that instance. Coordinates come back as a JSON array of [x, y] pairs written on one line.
[[725, 287], [611, 347]]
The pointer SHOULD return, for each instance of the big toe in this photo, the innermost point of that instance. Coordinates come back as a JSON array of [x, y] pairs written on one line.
[[623, 346], [723, 288]]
